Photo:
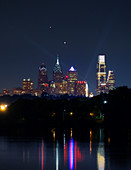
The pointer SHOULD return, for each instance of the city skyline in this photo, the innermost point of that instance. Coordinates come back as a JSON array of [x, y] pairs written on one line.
[[70, 78], [32, 33], [105, 82], [58, 85]]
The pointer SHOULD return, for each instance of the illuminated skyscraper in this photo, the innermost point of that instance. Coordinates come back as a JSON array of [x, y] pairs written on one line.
[[43, 83], [82, 88], [111, 80], [27, 85], [101, 75], [57, 72], [72, 81], [64, 86], [58, 78]]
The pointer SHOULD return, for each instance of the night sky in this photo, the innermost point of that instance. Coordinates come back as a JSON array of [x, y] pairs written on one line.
[[32, 32]]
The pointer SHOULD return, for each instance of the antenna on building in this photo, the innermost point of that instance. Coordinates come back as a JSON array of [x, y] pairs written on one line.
[[57, 59]]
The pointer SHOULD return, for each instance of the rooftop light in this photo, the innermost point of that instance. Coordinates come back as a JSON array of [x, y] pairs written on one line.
[[72, 69]]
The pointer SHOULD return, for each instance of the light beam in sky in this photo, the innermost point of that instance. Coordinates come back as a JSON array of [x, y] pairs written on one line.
[[105, 34]]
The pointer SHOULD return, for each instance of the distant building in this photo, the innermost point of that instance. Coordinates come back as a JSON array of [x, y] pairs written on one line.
[[72, 81], [91, 95], [101, 75], [111, 80], [5, 92], [17, 91], [64, 86], [81, 88], [58, 88], [57, 72], [36, 92], [52, 88], [103, 88], [43, 83], [27, 86]]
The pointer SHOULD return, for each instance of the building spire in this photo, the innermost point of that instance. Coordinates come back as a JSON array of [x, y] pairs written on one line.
[[57, 59]]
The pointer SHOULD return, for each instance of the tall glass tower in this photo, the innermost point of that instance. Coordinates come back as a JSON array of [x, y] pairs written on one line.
[[43, 83], [101, 75], [57, 72], [111, 80], [72, 81]]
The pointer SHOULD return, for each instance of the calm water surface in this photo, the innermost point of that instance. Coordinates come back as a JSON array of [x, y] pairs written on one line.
[[68, 149]]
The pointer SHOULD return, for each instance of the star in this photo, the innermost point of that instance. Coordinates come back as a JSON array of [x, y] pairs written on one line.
[[65, 42]]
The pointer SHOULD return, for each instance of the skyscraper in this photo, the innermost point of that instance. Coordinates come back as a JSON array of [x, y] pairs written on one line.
[[57, 78], [43, 83], [111, 80], [101, 75], [57, 72], [81, 88], [72, 81], [27, 86]]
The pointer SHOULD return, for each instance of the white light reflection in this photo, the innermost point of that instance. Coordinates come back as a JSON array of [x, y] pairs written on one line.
[[57, 156], [101, 154]]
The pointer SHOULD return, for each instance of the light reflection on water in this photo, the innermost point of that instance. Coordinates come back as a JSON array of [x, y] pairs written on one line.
[[101, 154], [64, 151], [57, 156]]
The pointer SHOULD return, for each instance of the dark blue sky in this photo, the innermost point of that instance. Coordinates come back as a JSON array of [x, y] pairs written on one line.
[[89, 28]]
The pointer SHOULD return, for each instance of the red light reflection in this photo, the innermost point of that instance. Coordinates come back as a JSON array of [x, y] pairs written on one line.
[[41, 156], [74, 155]]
